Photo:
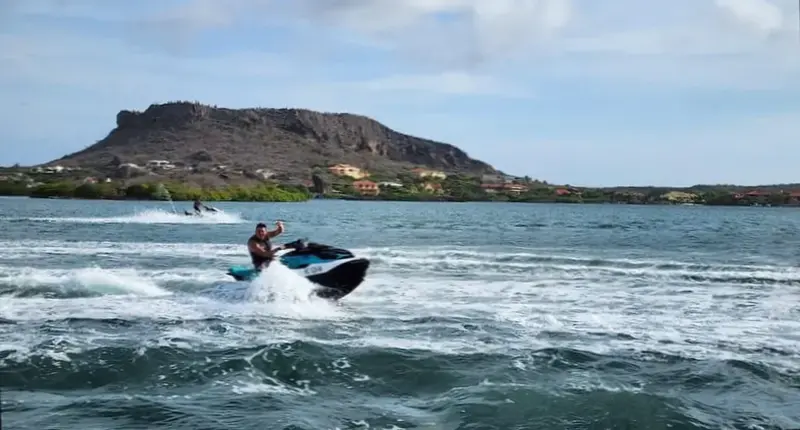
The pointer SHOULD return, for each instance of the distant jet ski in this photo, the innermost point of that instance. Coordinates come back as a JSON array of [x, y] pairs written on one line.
[[336, 271], [207, 208]]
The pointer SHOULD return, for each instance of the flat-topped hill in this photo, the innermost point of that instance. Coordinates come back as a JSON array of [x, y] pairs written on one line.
[[286, 142]]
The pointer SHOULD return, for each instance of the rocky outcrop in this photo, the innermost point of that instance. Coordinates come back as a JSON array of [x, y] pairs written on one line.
[[286, 141]]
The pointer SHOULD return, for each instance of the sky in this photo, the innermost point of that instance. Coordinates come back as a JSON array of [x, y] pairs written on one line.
[[582, 92]]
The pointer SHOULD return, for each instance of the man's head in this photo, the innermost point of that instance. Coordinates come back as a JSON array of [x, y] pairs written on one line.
[[261, 230]]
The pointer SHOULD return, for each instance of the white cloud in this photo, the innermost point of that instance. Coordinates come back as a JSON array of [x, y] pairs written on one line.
[[452, 83], [681, 40], [446, 32], [427, 53], [488, 18], [761, 15]]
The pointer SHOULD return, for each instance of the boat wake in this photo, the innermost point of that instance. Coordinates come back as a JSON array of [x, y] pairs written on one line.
[[150, 216]]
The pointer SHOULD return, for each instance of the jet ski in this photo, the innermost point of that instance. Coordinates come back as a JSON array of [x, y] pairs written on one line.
[[200, 214], [336, 271]]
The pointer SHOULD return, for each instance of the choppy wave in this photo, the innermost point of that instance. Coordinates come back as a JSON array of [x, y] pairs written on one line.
[[152, 216], [94, 281], [319, 385], [134, 335]]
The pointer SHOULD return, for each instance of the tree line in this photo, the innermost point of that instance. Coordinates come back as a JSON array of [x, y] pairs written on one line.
[[160, 191]]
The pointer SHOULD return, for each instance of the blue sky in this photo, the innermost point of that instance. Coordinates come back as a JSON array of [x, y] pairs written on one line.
[[585, 92]]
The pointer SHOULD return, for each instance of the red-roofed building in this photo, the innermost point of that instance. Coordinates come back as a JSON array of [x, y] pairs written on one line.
[[366, 188]]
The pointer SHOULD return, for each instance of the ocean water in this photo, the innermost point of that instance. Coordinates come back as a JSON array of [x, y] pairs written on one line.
[[473, 316]]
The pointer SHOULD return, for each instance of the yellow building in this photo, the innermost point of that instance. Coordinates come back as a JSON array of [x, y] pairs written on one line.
[[679, 197], [348, 170]]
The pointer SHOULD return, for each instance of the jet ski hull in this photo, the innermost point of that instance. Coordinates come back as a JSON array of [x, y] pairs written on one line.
[[335, 278], [340, 280]]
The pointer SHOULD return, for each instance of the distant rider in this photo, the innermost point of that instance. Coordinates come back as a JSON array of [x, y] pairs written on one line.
[[198, 206], [259, 246]]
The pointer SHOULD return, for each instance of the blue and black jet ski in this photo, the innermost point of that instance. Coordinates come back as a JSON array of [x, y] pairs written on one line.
[[337, 271]]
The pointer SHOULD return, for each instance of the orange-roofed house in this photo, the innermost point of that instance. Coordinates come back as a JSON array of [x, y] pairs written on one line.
[[367, 188], [433, 187], [348, 170], [515, 188]]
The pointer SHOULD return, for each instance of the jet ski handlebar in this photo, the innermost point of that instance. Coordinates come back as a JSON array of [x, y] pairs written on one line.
[[296, 244]]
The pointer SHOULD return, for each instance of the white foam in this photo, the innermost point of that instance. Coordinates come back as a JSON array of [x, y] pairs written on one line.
[[639, 307], [150, 216], [426, 262], [279, 291], [125, 281], [27, 249]]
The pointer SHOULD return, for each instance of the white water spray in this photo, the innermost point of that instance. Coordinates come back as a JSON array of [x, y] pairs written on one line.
[[277, 290], [162, 191], [277, 283]]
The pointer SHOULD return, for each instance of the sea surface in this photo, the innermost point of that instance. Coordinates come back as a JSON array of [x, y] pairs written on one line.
[[473, 316]]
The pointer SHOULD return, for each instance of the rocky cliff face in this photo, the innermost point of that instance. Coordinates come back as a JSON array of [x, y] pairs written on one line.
[[285, 141]]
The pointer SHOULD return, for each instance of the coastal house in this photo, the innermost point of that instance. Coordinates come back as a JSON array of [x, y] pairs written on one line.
[[160, 164], [492, 188], [391, 185], [427, 173], [563, 192], [51, 169], [794, 198], [347, 170], [515, 188], [754, 194], [367, 188], [680, 197], [433, 187], [509, 188], [265, 173]]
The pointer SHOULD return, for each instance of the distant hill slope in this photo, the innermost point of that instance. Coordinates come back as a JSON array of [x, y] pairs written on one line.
[[287, 142]]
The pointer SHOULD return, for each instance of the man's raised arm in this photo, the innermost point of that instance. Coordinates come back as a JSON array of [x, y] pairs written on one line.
[[277, 231]]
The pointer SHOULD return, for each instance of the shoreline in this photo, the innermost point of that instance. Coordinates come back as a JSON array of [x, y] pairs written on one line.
[[457, 190], [419, 200]]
